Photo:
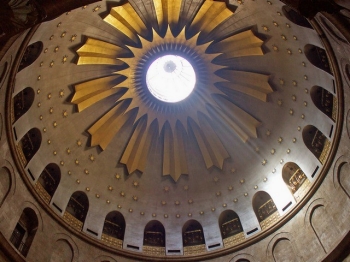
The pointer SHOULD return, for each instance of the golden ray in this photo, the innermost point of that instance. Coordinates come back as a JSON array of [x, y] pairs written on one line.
[[149, 116], [210, 15], [136, 152], [103, 131], [125, 19], [242, 44], [88, 93], [174, 153], [252, 84]]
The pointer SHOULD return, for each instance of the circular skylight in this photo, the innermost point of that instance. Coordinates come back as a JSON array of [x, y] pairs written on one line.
[[170, 78]]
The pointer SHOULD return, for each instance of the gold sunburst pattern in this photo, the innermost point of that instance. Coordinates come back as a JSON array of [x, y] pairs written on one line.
[[171, 122]]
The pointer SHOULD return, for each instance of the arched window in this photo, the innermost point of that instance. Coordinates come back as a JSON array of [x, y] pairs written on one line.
[[318, 57], [48, 182], [31, 54], [295, 17], [193, 238], [265, 209], [324, 101], [230, 227], [316, 142], [24, 232], [154, 238], [22, 102], [29, 145], [76, 210], [295, 179], [114, 229]]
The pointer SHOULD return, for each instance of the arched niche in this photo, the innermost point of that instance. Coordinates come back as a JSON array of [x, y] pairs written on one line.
[[230, 227], [324, 228], [343, 177], [25, 230], [154, 238], [265, 209], [76, 210], [283, 251], [316, 142], [318, 57], [31, 53], [29, 145], [48, 182], [114, 229], [22, 102], [62, 251], [325, 101], [5, 184], [295, 179], [295, 17], [193, 238]]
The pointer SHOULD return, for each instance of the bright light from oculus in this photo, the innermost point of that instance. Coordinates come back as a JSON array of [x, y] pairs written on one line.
[[171, 78]]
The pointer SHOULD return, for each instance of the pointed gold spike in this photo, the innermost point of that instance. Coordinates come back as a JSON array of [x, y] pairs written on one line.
[[103, 131], [136, 152], [243, 119], [161, 14], [252, 84], [210, 15], [89, 93], [174, 158], [212, 149], [242, 44]]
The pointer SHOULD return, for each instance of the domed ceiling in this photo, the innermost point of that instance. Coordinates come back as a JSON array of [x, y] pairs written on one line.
[[223, 148]]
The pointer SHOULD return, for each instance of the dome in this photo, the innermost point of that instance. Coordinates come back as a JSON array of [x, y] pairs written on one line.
[[176, 130]]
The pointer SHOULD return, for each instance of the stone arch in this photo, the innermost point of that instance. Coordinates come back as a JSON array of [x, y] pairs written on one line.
[[283, 251], [48, 182], [31, 53], [243, 258], [1, 125], [347, 72], [318, 57], [282, 248], [230, 226], [325, 101], [265, 209], [316, 142], [193, 237], [23, 234], [295, 17], [295, 179], [76, 210], [341, 177], [321, 223], [31, 205], [3, 69], [30, 144], [68, 239], [22, 102], [62, 251], [105, 259], [5, 184], [114, 229]]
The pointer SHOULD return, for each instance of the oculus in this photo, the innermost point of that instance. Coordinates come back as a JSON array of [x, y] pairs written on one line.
[[170, 78]]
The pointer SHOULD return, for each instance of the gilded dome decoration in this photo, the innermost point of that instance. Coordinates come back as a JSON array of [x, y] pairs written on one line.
[[151, 117]]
